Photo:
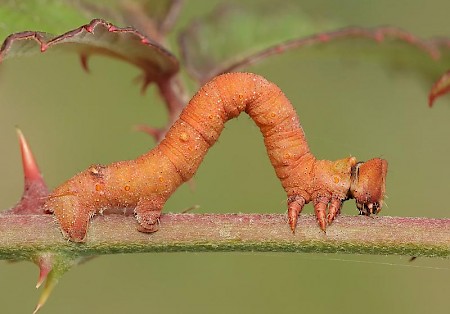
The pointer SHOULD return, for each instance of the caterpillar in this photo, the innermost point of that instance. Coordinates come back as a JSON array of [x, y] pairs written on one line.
[[143, 185]]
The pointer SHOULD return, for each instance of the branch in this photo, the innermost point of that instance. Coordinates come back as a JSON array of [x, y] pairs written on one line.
[[21, 236]]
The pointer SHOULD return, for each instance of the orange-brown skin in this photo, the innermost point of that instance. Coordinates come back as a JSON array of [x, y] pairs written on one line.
[[145, 184]]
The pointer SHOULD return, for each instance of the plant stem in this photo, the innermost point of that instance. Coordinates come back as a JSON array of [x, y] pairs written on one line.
[[22, 236]]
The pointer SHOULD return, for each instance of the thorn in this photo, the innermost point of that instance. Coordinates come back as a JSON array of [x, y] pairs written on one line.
[[145, 83], [44, 262], [44, 47], [84, 63], [439, 88], [144, 80], [35, 189], [156, 133], [112, 29], [379, 36], [324, 37], [186, 210], [52, 267], [191, 183], [38, 307], [89, 28], [431, 99], [50, 283], [30, 167]]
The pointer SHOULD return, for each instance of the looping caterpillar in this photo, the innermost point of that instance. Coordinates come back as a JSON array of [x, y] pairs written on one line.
[[144, 184]]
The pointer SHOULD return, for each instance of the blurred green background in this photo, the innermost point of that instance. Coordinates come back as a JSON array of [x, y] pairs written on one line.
[[73, 119]]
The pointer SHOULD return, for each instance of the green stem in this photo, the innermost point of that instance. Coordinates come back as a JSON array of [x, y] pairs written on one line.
[[22, 236]]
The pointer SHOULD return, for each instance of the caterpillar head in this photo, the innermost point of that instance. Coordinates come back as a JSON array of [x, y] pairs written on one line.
[[368, 182]]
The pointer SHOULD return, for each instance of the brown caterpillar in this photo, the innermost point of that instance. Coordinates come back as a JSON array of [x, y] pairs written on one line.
[[145, 184]]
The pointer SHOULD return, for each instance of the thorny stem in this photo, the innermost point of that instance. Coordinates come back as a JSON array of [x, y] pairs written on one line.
[[21, 236]]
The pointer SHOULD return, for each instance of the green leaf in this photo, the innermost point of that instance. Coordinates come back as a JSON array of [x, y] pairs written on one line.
[[43, 15], [252, 35], [98, 37], [395, 49]]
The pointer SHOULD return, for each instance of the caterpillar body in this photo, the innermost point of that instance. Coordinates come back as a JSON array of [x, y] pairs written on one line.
[[144, 184]]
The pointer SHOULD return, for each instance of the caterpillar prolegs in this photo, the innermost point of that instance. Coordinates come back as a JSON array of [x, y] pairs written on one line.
[[145, 184]]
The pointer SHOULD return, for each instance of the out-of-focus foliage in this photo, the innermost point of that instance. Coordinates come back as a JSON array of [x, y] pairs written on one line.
[[346, 107]]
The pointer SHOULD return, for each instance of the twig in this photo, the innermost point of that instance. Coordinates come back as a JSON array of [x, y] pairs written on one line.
[[21, 236]]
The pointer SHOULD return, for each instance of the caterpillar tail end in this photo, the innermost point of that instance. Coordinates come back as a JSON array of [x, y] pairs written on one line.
[[73, 218]]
